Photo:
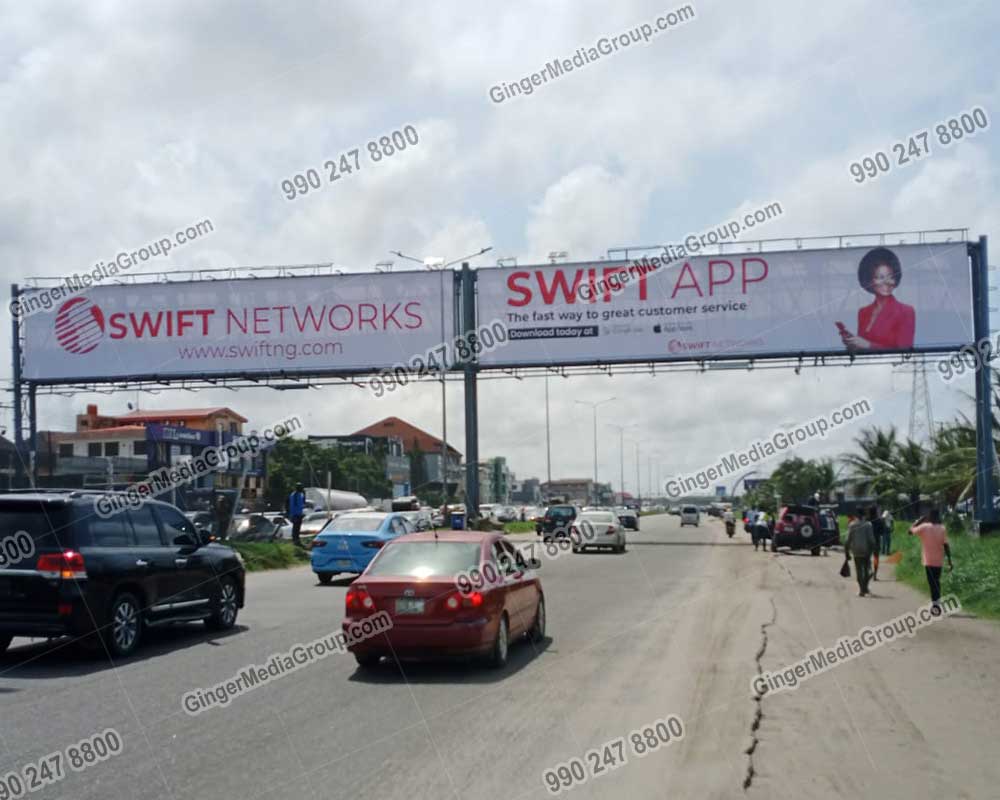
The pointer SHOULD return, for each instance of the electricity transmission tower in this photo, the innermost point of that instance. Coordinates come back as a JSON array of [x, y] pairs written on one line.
[[921, 414]]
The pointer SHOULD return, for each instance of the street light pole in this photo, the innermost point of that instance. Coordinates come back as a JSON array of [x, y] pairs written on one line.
[[594, 406], [548, 440], [638, 485], [621, 453]]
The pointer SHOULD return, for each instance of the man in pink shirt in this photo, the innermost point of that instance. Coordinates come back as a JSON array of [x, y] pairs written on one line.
[[934, 541]]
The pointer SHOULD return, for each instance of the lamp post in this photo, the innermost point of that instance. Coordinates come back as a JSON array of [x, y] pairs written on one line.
[[594, 406], [434, 262], [621, 452], [548, 438]]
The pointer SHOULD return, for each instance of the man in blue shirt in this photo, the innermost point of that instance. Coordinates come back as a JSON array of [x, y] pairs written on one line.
[[297, 510]]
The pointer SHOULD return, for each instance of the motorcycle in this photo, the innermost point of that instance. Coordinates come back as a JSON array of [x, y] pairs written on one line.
[[730, 528]]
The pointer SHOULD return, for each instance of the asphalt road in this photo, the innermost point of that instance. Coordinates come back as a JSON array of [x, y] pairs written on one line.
[[631, 638], [679, 625]]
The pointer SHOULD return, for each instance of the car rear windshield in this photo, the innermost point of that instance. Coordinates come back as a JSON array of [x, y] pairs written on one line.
[[422, 559], [689, 510], [598, 516], [356, 524], [560, 511], [48, 526]]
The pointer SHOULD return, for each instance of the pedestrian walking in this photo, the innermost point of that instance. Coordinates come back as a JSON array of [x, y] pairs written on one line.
[[889, 522], [934, 548], [860, 545], [879, 531], [760, 530], [296, 511], [223, 513]]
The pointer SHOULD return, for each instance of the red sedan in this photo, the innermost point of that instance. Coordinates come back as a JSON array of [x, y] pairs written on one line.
[[418, 580]]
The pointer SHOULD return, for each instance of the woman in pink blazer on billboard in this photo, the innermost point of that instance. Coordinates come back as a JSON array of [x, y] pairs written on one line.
[[886, 324]]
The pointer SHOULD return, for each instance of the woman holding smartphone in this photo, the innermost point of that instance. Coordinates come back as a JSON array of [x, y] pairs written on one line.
[[885, 324]]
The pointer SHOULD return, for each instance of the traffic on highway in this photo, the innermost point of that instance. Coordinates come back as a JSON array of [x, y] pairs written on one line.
[[499, 401]]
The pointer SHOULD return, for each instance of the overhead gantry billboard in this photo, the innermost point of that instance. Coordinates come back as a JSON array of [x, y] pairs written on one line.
[[329, 324], [862, 300]]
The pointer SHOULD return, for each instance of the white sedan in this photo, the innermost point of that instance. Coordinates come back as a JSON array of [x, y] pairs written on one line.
[[597, 529]]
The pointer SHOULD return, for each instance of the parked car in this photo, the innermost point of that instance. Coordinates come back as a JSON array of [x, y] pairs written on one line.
[[556, 522], [420, 520], [628, 517], [506, 514], [252, 528], [675, 510], [113, 577], [597, 529], [800, 527], [352, 540], [690, 515], [413, 579]]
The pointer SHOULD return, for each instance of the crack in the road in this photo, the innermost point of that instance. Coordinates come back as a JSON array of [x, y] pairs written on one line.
[[758, 698]]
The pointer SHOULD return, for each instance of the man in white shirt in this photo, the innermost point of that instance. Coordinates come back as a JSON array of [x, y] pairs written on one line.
[[887, 540]]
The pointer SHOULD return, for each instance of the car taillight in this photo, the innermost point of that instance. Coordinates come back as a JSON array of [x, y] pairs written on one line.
[[612, 529], [358, 600], [457, 601], [318, 543], [67, 565], [375, 544]]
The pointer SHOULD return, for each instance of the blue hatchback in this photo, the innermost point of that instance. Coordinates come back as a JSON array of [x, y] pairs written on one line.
[[352, 540]]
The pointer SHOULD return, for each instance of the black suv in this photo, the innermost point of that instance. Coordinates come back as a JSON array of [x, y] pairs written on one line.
[[65, 570], [556, 522]]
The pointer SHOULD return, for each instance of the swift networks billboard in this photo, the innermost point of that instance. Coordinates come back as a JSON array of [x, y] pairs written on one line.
[[863, 300], [334, 323]]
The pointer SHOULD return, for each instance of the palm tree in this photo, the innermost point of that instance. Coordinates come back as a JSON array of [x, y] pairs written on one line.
[[952, 462], [871, 467]]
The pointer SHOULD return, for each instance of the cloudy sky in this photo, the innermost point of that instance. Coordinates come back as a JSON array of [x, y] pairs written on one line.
[[126, 121]]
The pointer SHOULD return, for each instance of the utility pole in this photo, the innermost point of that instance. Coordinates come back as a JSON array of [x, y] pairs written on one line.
[[638, 486], [621, 453], [548, 440], [594, 406]]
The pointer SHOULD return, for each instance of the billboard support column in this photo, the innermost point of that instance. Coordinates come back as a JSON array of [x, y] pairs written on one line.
[[15, 344], [32, 437], [468, 284], [986, 515]]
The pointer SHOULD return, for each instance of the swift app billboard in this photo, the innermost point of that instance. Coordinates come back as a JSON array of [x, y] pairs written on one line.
[[861, 300], [295, 324]]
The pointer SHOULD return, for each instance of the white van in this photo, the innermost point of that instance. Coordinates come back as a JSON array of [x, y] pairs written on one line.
[[690, 516]]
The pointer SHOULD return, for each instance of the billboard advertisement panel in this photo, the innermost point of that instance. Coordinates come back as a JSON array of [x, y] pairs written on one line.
[[863, 300], [332, 323]]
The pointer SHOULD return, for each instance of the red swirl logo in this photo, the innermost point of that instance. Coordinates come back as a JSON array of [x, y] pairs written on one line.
[[79, 325]]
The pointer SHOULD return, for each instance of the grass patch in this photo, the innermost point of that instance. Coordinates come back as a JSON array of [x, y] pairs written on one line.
[[976, 579], [260, 556], [519, 527]]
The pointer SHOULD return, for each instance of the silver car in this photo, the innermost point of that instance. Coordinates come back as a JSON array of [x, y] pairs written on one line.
[[690, 516], [597, 529]]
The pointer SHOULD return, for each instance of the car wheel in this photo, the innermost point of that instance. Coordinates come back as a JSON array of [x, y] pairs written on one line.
[[367, 660], [124, 630], [806, 530], [226, 606], [325, 577], [815, 551], [498, 657], [774, 545], [537, 632], [5, 643]]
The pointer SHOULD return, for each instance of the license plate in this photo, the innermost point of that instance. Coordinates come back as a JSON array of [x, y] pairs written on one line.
[[406, 605], [345, 562]]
